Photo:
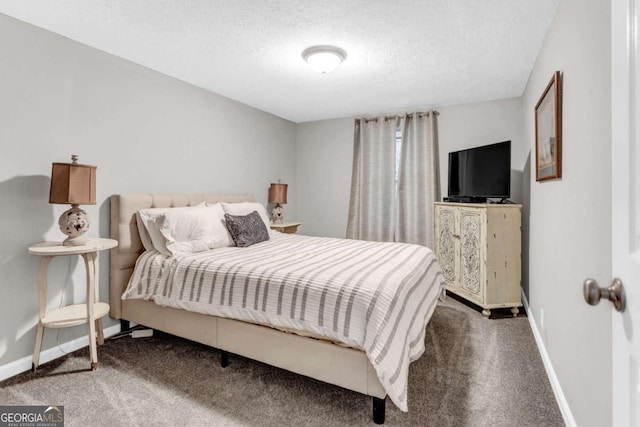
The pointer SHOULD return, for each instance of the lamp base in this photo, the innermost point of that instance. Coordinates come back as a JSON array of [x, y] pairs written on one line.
[[74, 223], [74, 241], [277, 214]]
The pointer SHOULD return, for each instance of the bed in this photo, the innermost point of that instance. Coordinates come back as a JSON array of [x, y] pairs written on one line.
[[328, 351]]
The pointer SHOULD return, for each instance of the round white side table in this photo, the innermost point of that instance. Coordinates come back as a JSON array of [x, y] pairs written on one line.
[[90, 312]]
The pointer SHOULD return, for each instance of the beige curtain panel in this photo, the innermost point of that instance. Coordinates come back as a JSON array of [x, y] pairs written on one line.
[[418, 180], [394, 185], [372, 205]]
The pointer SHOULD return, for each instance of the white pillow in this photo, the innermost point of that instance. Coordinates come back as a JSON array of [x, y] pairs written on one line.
[[149, 234], [194, 230], [245, 208]]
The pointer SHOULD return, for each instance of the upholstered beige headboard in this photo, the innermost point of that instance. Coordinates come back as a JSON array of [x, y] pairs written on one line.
[[125, 230]]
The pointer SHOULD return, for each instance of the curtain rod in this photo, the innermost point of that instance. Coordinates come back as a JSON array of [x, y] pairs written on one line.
[[394, 117]]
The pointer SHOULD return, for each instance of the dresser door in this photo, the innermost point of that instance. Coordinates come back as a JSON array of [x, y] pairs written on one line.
[[472, 253], [447, 245]]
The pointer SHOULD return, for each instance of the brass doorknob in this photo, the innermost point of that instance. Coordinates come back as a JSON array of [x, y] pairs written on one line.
[[614, 293]]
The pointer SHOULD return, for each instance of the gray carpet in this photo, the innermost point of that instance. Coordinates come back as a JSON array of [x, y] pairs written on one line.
[[475, 372]]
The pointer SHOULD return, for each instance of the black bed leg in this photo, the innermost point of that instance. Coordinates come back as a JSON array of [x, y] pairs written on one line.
[[378, 410], [224, 359], [124, 325]]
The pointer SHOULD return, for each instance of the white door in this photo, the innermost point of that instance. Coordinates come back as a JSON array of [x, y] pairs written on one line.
[[626, 209]]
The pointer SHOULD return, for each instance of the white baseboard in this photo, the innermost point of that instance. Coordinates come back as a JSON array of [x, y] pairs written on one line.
[[551, 373], [24, 364]]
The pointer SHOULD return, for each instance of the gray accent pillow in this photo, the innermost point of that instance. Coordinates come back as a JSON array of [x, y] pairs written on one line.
[[246, 230]]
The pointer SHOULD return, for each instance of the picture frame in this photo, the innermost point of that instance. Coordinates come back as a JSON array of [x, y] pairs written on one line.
[[548, 114]]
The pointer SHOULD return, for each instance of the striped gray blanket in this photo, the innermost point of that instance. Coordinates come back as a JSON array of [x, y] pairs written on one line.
[[375, 296]]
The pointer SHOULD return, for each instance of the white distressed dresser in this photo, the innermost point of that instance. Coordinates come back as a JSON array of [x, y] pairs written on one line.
[[479, 249]]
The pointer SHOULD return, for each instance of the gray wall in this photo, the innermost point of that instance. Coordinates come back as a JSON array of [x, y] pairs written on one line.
[[471, 125], [325, 155], [146, 132], [570, 219], [324, 158]]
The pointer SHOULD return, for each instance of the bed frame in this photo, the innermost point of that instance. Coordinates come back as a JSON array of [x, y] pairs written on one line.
[[319, 359]]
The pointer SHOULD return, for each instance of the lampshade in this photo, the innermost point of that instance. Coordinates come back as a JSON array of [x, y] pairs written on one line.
[[324, 59], [74, 184], [278, 193]]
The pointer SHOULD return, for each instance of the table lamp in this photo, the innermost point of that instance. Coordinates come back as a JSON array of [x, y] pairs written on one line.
[[277, 195], [74, 184]]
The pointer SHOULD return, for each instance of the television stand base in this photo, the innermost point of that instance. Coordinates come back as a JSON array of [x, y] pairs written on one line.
[[505, 201], [464, 199]]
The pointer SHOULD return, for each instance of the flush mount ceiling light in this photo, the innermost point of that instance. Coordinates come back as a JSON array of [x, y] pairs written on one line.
[[324, 59]]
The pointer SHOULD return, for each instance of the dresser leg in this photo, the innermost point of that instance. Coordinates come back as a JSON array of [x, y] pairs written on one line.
[[515, 311], [486, 313]]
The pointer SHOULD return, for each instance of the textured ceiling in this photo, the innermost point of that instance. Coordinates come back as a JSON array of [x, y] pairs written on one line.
[[401, 55]]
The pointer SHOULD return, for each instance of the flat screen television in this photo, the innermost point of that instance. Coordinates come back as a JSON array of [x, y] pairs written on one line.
[[480, 173]]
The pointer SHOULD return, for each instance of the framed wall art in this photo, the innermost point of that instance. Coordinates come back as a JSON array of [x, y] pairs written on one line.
[[549, 131]]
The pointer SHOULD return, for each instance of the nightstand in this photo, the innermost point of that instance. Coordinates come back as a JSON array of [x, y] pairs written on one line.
[[90, 311], [286, 227]]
